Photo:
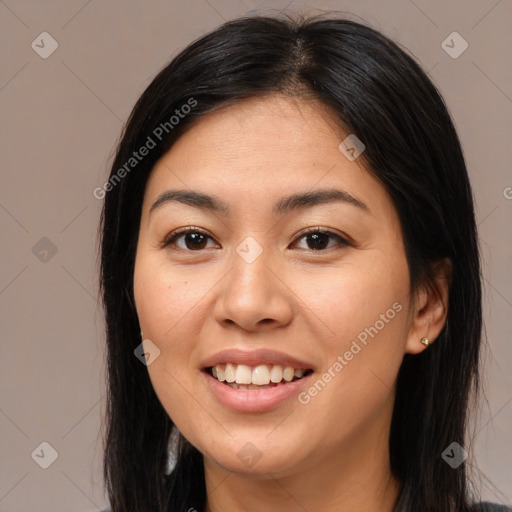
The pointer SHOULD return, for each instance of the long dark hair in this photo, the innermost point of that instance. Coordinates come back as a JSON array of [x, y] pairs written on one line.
[[380, 94]]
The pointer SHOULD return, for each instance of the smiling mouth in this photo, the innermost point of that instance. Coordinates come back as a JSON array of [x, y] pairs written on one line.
[[264, 376]]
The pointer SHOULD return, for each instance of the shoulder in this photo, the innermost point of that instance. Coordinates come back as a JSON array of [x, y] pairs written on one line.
[[490, 507]]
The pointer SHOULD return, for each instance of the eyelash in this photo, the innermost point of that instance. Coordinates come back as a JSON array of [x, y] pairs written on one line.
[[171, 238]]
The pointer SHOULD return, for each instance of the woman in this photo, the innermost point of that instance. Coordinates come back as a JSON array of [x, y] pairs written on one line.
[[291, 280]]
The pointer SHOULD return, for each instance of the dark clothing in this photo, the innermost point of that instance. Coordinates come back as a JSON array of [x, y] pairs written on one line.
[[477, 507], [490, 507]]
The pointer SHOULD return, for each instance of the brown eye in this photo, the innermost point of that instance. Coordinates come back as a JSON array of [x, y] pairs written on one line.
[[194, 240], [318, 240], [197, 240]]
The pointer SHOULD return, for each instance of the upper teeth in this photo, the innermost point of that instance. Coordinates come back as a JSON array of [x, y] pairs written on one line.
[[261, 375]]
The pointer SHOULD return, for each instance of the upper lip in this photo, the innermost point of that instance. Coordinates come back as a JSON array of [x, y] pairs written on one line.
[[254, 358]]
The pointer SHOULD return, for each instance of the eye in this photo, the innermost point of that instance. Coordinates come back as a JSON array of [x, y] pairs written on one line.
[[194, 239], [318, 238]]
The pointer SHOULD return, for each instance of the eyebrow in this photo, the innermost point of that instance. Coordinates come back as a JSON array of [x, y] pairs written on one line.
[[284, 205]]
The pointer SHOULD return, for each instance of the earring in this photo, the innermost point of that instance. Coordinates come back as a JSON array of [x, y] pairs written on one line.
[[425, 341]]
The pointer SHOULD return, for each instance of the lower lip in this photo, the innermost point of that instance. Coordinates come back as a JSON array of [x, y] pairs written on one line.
[[254, 400]]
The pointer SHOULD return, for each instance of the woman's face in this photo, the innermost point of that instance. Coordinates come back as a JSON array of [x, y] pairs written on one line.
[[252, 294]]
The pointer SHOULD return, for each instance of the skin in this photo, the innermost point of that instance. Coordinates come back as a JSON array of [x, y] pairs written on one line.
[[328, 454]]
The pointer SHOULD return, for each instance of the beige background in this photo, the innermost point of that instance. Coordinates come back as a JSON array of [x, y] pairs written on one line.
[[61, 117]]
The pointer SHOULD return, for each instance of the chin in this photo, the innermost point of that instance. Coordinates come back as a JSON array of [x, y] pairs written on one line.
[[255, 456]]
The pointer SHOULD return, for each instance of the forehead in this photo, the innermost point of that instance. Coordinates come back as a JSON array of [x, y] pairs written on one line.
[[257, 150], [261, 128]]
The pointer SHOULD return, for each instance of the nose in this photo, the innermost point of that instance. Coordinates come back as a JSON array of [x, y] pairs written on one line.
[[253, 296]]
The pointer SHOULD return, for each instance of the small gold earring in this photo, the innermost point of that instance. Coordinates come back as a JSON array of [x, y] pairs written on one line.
[[425, 341]]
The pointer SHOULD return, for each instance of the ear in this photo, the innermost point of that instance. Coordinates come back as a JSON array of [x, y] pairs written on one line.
[[430, 308]]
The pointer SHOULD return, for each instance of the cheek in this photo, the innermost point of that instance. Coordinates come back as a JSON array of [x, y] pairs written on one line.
[[168, 303], [364, 308], [361, 299], [166, 300]]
